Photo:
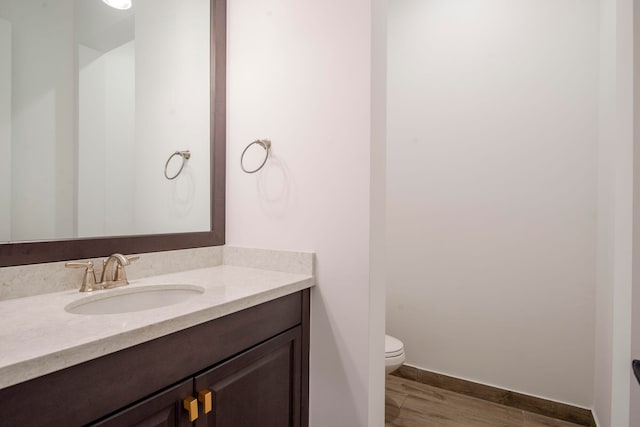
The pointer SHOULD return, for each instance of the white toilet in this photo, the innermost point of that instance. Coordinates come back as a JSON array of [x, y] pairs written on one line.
[[393, 353]]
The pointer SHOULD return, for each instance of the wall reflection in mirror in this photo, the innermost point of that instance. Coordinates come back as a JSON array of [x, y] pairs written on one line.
[[93, 101]]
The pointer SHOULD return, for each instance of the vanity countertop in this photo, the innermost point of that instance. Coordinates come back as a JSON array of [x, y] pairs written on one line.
[[37, 336]]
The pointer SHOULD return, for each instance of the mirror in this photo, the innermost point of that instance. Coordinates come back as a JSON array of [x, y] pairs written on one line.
[[112, 127]]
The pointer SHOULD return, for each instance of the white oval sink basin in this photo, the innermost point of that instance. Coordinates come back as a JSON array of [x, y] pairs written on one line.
[[127, 300]]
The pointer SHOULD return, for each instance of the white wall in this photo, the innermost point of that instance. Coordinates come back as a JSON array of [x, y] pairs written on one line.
[[492, 191], [91, 142], [43, 121], [634, 396], [5, 130], [300, 74], [615, 216], [377, 244], [172, 113], [121, 165], [604, 288], [106, 142]]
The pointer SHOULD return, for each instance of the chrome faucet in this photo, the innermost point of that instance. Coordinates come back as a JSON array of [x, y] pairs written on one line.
[[113, 273], [111, 278]]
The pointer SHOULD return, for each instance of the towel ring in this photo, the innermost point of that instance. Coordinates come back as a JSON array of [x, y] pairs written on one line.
[[266, 144], [186, 154]]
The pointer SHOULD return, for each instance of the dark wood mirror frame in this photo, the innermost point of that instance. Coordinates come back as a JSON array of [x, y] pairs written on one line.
[[61, 250]]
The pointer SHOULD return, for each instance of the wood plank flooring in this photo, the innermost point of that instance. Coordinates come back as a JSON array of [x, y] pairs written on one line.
[[412, 404]]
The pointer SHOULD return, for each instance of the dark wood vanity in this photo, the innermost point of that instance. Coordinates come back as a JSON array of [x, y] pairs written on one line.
[[249, 368]]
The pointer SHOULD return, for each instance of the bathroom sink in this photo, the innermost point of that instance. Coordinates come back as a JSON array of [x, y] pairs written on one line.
[[131, 299]]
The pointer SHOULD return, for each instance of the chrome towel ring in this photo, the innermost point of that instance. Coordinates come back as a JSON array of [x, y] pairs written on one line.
[[186, 154], [266, 144]]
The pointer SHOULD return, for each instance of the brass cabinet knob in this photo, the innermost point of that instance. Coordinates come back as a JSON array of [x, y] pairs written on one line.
[[191, 405], [204, 397]]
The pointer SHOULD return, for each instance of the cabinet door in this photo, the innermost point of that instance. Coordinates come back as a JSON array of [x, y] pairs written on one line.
[[163, 409], [258, 388]]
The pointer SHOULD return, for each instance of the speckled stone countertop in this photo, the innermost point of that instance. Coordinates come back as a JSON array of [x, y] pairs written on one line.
[[37, 335]]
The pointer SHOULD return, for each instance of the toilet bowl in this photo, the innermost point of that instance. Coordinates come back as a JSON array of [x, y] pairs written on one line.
[[393, 353]]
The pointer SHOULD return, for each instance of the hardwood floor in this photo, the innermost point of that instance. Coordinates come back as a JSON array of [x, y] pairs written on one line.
[[409, 403]]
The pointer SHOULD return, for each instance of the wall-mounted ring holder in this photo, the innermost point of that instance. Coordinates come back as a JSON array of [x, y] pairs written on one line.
[[185, 155], [264, 143]]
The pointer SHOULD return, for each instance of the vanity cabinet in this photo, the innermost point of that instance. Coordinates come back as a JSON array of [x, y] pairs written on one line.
[[254, 363], [259, 387]]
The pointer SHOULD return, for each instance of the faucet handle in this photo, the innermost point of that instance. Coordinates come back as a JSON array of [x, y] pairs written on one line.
[[89, 278], [121, 275], [132, 258]]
